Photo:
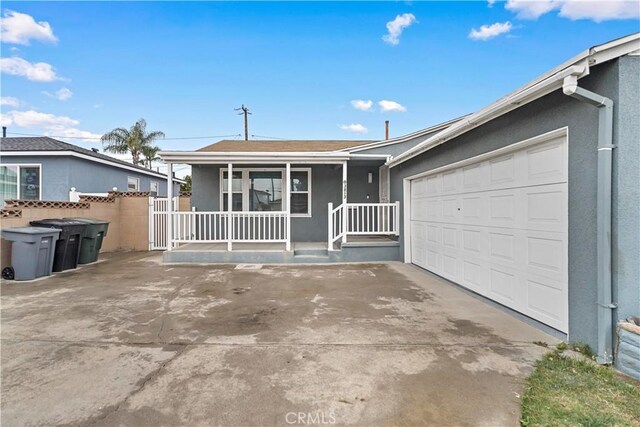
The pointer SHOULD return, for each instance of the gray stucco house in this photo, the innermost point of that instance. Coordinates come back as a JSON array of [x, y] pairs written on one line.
[[532, 202], [43, 168]]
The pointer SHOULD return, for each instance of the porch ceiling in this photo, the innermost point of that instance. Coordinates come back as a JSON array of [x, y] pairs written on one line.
[[204, 157]]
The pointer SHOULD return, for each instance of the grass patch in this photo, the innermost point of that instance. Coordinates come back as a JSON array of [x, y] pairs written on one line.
[[564, 391]]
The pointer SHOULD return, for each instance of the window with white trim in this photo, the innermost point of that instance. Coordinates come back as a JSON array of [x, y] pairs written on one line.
[[20, 181], [301, 192], [262, 189], [153, 188], [236, 191], [133, 184]]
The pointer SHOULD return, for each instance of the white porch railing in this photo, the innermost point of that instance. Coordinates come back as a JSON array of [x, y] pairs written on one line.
[[215, 227], [362, 219]]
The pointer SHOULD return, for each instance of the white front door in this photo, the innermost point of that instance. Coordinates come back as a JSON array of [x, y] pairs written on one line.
[[498, 226]]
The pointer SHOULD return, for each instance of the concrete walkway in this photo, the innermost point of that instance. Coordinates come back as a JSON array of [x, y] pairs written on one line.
[[130, 341]]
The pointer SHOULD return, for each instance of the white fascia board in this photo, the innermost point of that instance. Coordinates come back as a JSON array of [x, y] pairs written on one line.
[[85, 157], [543, 85]]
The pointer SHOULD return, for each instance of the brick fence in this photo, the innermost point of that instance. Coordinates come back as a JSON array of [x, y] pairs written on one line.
[[127, 213]]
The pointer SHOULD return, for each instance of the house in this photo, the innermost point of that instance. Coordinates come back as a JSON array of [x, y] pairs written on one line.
[[532, 202], [43, 168]]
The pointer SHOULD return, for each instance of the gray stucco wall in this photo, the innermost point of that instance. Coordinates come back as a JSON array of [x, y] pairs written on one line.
[[326, 187], [59, 174], [626, 191], [552, 112], [399, 147]]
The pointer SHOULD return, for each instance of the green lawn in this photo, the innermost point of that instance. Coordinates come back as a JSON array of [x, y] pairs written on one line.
[[564, 391]]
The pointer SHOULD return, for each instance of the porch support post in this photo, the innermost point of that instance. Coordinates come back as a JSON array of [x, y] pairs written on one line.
[[345, 210], [169, 206], [287, 186], [330, 227], [229, 206]]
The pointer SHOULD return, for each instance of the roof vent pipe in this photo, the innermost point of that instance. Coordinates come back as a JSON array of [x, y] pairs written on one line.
[[4, 131], [603, 195], [386, 129]]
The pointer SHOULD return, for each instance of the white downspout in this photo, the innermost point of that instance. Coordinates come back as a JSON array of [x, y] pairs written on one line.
[[605, 147]]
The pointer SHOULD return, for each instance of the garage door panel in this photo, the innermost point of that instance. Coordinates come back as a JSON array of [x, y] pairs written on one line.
[[499, 228]]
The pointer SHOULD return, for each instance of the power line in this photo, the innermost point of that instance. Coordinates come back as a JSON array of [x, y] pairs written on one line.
[[235, 135], [268, 137]]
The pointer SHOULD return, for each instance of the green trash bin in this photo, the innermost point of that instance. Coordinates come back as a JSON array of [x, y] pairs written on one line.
[[92, 239]]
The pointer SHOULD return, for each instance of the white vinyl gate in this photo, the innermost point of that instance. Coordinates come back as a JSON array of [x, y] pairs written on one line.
[[158, 207], [497, 225]]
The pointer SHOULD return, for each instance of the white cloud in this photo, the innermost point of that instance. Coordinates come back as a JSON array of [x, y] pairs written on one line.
[[386, 105], [487, 32], [361, 104], [64, 94], [10, 101], [61, 94], [36, 71], [20, 28], [48, 124], [397, 26], [354, 127], [596, 10], [490, 3]]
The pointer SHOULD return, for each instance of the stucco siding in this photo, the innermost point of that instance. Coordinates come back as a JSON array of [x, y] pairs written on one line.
[[626, 191], [551, 112]]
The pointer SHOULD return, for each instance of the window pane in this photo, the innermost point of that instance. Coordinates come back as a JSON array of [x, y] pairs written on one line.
[[299, 181], [237, 202], [153, 188], [30, 183], [265, 191], [8, 183], [132, 184], [300, 203], [236, 184]]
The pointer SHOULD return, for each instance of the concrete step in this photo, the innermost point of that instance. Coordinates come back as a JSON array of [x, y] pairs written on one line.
[[311, 252]]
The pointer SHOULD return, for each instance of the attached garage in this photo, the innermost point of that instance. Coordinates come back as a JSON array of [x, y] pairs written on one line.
[[497, 224]]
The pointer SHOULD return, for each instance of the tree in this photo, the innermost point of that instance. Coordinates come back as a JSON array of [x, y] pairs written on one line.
[[135, 140], [187, 184]]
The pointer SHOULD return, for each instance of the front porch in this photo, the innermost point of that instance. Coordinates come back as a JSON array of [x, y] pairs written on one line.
[[358, 249], [284, 208]]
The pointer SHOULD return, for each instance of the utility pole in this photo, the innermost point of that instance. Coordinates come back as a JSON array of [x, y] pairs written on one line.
[[245, 111]]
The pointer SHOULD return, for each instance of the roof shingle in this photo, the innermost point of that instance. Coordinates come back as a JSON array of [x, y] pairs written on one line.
[[288, 146]]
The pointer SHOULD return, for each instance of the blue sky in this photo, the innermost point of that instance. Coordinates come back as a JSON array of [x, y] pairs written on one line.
[[184, 67]]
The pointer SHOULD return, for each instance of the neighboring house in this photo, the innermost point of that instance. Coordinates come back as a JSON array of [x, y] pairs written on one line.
[[43, 168], [532, 202]]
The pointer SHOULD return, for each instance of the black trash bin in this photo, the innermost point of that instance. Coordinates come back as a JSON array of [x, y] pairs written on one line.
[[92, 240], [68, 244]]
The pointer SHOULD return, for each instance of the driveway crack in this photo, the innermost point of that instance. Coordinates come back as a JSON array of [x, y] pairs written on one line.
[[146, 380]]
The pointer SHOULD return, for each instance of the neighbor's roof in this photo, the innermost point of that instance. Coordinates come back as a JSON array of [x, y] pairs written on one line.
[[281, 146], [43, 145]]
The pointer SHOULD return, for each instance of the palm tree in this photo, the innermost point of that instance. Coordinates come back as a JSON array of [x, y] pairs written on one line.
[[135, 140], [150, 154]]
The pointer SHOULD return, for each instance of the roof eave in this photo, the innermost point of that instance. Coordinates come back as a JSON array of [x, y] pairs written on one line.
[[543, 85]]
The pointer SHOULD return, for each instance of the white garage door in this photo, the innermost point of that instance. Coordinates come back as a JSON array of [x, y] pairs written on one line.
[[498, 226]]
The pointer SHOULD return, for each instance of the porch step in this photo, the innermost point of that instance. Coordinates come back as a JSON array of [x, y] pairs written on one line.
[[310, 252]]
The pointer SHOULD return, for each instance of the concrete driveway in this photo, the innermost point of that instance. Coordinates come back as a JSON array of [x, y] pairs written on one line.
[[130, 341]]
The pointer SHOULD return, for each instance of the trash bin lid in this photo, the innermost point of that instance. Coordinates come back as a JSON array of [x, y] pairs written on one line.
[[89, 220], [31, 230], [57, 222]]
